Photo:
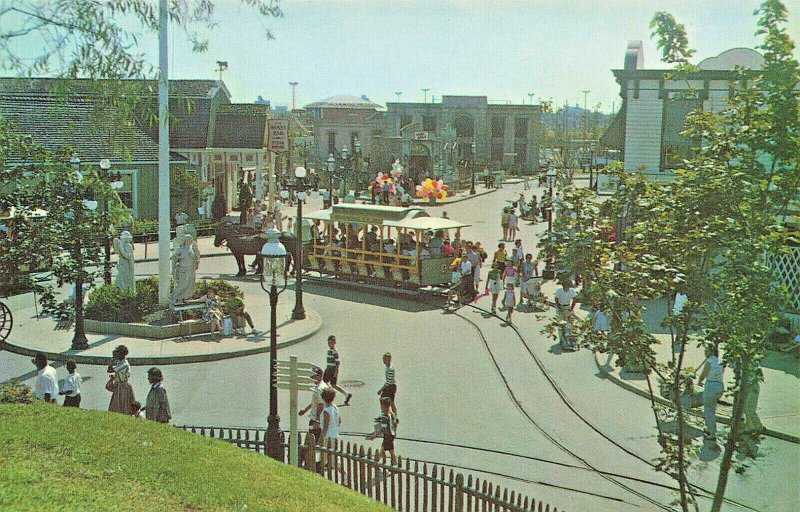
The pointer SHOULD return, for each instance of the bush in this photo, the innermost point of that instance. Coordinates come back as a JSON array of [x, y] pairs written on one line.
[[147, 295], [15, 393], [110, 304], [225, 290]]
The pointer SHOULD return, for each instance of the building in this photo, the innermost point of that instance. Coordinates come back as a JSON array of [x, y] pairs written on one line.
[[339, 121], [436, 139], [210, 136], [647, 129]]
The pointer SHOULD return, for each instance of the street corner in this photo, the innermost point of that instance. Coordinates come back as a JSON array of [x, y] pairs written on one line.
[[204, 347]]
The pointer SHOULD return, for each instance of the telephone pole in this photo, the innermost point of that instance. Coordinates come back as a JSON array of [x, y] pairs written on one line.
[[426, 94], [398, 93], [294, 87]]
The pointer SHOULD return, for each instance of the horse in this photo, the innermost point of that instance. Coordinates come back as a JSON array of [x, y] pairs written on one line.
[[243, 240]]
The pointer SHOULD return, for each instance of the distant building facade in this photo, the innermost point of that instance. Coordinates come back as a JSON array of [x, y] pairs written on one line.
[[435, 139], [648, 127]]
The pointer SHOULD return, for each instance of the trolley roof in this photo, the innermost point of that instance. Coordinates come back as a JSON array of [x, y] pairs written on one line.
[[413, 217]]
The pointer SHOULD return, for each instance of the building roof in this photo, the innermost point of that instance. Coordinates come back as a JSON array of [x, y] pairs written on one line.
[[56, 125], [241, 125], [84, 87], [344, 101]]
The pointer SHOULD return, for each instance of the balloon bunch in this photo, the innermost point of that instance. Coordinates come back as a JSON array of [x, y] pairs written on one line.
[[397, 170], [429, 188], [380, 180]]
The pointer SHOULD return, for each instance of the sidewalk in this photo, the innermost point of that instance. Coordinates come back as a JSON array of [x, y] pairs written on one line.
[[32, 334], [779, 400]]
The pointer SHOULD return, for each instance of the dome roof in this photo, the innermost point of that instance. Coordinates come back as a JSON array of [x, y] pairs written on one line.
[[344, 101], [729, 59]]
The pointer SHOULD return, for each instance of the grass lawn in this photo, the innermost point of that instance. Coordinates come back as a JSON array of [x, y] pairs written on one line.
[[59, 458]]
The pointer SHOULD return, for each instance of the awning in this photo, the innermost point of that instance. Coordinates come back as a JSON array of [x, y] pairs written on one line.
[[614, 136]]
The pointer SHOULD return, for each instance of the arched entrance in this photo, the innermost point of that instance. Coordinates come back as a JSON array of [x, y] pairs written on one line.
[[420, 161]]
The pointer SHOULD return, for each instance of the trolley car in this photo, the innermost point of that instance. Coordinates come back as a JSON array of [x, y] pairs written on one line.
[[380, 245]]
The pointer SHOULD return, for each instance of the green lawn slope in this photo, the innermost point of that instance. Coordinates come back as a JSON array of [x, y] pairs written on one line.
[[58, 458]]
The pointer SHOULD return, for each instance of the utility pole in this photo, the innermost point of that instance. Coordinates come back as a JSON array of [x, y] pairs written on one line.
[[163, 154], [222, 65], [530, 98], [426, 94], [294, 87], [585, 129], [398, 93]]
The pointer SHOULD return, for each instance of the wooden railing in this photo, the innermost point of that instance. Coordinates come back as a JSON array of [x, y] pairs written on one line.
[[403, 484]]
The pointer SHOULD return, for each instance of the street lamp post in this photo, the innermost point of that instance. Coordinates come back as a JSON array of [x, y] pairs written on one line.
[[79, 340], [116, 184], [357, 166], [299, 313], [551, 178], [331, 164], [274, 254], [345, 158], [472, 187]]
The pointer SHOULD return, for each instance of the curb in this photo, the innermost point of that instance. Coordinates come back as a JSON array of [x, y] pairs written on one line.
[[663, 401], [210, 255], [168, 360], [457, 200]]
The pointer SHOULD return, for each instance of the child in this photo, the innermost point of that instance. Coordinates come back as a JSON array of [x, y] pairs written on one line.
[[385, 426], [72, 386], [136, 410], [211, 313], [509, 301], [331, 374], [494, 285], [510, 275], [157, 406]]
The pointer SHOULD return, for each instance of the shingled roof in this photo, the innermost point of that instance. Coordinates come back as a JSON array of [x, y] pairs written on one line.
[[241, 125], [59, 124], [84, 87]]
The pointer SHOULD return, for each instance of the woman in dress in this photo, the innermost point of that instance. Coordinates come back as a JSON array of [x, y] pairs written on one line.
[[211, 313], [122, 396]]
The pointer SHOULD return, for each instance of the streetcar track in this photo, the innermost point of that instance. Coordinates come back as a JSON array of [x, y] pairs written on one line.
[[547, 435], [562, 396]]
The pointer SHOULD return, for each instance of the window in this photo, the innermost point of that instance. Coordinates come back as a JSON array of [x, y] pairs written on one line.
[[675, 147], [497, 151], [465, 126], [127, 194], [498, 126], [353, 138], [521, 150], [521, 128], [405, 121], [429, 123], [331, 143]]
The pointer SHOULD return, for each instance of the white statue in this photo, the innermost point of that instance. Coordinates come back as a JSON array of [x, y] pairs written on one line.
[[124, 249], [184, 265], [182, 227]]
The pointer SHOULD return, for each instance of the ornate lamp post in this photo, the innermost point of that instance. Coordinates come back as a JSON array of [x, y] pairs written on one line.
[[79, 340], [274, 254], [299, 313], [116, 184], [331, 165], [345, 158], [551, 178], [357, 166], [472, 161]]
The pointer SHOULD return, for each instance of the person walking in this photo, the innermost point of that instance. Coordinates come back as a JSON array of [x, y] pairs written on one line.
[[157, 405], [331, 375], [565, 299], [494, 284], [122, 396], [72, 385], [330, 423], [45, 386], [316, 405], [474, 260], [509, 301], [389, 388], [504, 219], [712, 372], [385, 427], [513, 222]]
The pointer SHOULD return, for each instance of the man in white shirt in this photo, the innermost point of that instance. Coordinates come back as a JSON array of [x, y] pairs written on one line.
[[565, 299], [277, 215], [316, 405], [46, 383]]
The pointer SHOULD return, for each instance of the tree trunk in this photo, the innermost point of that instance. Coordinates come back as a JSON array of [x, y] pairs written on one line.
[[730, 445]]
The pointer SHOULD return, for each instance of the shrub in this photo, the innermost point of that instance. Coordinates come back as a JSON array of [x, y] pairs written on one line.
[[225, 290], [15, 393], [110, 304], [147, 295]]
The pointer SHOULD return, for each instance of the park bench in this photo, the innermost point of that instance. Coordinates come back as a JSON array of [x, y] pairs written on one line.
[[182, 308]]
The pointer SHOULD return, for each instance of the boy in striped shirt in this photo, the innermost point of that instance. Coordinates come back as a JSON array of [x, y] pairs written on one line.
[[331, 375], [389, 389]]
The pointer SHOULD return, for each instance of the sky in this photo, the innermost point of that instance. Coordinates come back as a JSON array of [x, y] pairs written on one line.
[[503, 49]]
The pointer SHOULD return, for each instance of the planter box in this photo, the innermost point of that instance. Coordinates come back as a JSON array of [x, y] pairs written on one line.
[[156, 332]]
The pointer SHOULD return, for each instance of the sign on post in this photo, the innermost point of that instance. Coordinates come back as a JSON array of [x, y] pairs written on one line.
[[278, 135], [294, 376]]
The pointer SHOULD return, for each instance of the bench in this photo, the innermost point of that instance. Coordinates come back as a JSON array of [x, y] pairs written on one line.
[[181, 308]]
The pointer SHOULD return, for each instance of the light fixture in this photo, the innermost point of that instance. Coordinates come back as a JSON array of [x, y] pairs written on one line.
[[105, 164], [331, 160], [301, 195], [284, 194], [90, 204], [274, 254], [300, 172]]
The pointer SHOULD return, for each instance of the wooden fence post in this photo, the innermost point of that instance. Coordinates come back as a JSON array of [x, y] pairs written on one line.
[[311, 457], [459, 493]]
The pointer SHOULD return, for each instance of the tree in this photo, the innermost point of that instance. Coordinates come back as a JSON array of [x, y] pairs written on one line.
[[706, 235]]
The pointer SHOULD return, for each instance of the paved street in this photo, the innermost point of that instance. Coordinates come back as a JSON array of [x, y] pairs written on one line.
[[459, 376]]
